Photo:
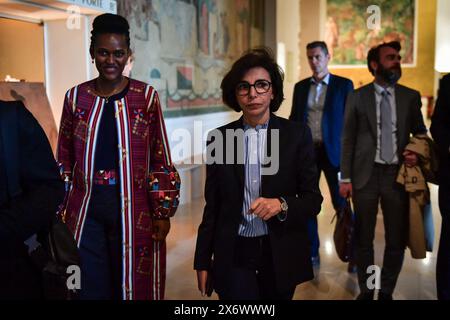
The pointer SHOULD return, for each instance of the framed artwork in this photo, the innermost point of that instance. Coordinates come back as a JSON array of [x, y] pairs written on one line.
[[184, 47], [353, 27]]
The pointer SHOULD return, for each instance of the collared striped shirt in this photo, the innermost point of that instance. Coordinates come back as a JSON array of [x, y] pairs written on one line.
[[254, 146]]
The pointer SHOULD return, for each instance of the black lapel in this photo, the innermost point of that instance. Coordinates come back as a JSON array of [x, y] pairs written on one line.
[[239, 168], [368, 96], [10, 140], [304, 100], [400, 99], [266, 180], [330, 92]]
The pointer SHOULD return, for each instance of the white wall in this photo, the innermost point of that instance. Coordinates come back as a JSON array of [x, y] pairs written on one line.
[[187, 139], [442, 61], [203, 124], [442, 52], [288, 33], [67, 60]]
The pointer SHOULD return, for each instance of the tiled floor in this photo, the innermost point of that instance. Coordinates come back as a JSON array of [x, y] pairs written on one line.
[[332, 282]]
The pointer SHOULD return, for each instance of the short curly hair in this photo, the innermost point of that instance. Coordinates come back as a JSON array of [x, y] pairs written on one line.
[[257, 57]]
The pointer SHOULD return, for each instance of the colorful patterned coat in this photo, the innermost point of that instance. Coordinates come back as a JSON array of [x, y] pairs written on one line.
[[149, 183]]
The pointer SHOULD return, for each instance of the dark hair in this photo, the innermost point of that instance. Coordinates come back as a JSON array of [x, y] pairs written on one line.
[[318, 44], [258, 57], [110, 23], [374, 53]]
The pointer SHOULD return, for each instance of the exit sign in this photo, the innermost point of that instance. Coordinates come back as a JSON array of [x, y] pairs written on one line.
[[101, 5]]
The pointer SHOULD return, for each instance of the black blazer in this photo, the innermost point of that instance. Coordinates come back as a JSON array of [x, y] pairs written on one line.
[[296, 181], [440, 129], [33, 192]]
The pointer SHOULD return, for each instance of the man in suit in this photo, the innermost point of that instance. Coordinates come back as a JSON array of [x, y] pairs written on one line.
[[379, 119], [30, 191], [253, 230], [319, 102], [440, 130]]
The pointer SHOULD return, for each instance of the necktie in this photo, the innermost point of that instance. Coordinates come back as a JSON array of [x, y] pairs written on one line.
[[387, 148]]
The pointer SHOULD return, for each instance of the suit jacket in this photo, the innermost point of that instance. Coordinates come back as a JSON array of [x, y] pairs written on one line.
[[440, 129], [224, 193], [33, 192], [359, 139], [333, 112]]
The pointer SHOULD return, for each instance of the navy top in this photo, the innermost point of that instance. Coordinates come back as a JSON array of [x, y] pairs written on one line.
[[106, 151]]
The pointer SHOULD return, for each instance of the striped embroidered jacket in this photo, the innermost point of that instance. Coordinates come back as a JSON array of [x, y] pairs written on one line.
[[149, 183]]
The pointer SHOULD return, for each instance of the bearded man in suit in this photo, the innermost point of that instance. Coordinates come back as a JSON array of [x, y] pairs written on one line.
[[379, 119]]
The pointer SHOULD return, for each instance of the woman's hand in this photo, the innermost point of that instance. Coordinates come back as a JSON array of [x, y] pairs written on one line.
[[202, 276], [265, 208], [161, 228]]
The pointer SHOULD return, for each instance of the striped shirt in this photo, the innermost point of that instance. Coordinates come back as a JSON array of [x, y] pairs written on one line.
[[254, 146]]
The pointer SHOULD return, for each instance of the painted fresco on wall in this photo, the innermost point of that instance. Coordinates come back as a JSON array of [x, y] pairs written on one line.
[[349, 38], [184, 47]]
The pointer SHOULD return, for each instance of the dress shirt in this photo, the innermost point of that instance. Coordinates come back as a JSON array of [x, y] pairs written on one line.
[[254, 146], [316, 103]]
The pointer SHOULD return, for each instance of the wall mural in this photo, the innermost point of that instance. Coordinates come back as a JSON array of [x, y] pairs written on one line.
[[184, 47], [349, 39]]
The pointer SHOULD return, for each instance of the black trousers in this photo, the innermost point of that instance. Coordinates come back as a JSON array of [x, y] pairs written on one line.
[[252, 276], [331, 175], [100, 248], [381, 188], [443, 259]]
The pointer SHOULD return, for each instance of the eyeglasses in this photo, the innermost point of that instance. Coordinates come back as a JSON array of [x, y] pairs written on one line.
[[261, 86]]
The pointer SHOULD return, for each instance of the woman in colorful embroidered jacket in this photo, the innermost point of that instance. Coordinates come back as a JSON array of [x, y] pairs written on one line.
[[123, 187]]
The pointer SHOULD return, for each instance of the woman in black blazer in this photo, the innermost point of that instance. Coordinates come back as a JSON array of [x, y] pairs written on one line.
[[261, 187]]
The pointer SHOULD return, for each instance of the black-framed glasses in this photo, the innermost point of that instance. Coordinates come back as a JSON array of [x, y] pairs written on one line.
[[261, 86]]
